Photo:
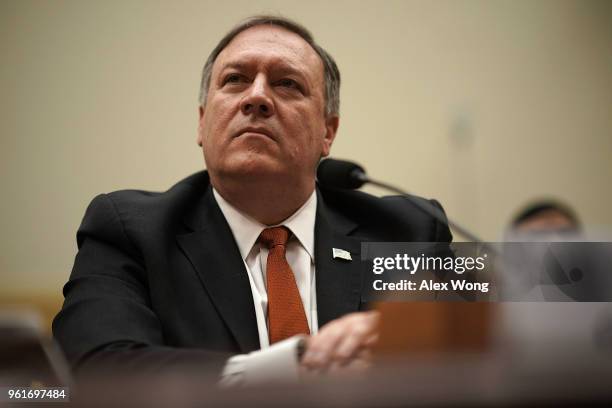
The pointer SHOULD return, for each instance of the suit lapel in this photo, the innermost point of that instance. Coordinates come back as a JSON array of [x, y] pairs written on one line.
[[213, 252], [338, 281]]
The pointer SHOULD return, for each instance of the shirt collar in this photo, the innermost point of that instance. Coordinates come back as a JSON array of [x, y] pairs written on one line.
[[246, 230]]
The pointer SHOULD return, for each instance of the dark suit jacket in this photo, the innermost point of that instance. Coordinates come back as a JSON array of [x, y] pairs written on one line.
[[158, 279]]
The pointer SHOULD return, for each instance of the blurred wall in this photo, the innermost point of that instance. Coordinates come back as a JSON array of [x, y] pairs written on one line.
[[481, 104]]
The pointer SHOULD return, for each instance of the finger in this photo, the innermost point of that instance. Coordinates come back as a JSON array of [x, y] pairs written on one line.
[[362, 333], [355, 366], [308, 374], [320, 346], [364, 354], [358, 365], [347, 349], [371, 340], [374, 317], [340, 339]]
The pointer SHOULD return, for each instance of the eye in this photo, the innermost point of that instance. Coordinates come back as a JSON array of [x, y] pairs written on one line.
[[288, 83], [232, 79]]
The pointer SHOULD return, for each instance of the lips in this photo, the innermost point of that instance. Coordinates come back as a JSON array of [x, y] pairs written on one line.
[[258, 130]]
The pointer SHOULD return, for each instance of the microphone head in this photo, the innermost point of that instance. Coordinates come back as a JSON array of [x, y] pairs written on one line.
[[340, 174]]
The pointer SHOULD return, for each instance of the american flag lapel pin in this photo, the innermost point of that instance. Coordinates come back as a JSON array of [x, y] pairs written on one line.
[[338, 253]]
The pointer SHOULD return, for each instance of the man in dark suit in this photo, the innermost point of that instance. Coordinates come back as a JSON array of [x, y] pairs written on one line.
[[247, 269]]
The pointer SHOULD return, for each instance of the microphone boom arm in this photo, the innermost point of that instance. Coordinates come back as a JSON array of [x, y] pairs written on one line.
[[429, 209]]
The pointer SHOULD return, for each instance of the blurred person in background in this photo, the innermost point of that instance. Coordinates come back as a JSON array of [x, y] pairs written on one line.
[[546, 217]]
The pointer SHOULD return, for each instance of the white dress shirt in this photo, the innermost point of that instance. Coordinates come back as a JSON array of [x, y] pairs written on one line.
[[278, 362]]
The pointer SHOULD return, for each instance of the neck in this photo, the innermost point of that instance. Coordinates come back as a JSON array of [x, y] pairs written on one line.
[[268, 203]]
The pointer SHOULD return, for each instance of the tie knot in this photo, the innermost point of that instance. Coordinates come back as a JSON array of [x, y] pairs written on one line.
[[272, 237]]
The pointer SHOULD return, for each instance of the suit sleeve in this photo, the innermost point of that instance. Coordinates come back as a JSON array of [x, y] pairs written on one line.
[[107, 319]]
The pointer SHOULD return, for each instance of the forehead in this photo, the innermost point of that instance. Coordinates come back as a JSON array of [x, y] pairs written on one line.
[[271, 45], [547, 219]]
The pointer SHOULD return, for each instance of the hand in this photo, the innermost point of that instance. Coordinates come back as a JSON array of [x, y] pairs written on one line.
[[343, 343]]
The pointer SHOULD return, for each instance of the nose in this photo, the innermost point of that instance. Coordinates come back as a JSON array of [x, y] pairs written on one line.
[[257, 100]]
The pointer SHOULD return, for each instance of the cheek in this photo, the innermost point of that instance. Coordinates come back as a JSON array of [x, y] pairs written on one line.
[[223, 114], [216, 122], [317, 132], [312, 127], [309, 148]]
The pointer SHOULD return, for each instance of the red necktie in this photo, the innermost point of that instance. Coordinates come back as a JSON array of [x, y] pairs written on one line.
[[286, 315]]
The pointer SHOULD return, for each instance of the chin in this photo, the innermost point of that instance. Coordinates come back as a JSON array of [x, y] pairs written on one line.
[[255, 166]]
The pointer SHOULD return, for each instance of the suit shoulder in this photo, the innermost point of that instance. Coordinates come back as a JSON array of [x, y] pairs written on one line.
[[144, 210], [359, 202], [193, 185], [141, 201], [391, 217]]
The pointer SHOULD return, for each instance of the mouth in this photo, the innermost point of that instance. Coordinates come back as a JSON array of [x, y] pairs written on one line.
[[257, 131]]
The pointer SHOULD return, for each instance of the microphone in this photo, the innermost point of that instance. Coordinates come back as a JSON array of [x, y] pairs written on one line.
[[341, 174], [346, 175]]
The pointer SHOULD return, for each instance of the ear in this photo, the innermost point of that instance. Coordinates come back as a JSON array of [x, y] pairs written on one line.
[[200, 123], [331, 127]]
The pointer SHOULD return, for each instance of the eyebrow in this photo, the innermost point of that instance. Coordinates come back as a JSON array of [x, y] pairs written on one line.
[[282, 66], [234, 65]]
